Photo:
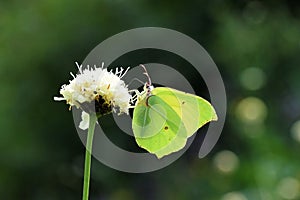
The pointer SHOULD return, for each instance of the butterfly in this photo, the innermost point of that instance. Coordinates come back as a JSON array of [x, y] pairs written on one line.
[[164, 118]]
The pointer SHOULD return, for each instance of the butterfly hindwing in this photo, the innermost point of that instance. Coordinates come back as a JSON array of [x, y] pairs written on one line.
[[156, 124]]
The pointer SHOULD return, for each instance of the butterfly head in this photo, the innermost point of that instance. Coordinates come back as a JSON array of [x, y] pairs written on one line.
[[148, 88]]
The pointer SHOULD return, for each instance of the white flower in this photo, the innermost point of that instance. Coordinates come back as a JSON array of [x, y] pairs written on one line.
[[100, 86]]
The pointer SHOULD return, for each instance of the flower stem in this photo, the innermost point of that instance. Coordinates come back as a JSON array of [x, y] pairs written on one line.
[[88, 157]]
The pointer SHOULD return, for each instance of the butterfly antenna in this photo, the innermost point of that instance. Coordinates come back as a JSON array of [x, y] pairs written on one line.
[[149, 83]]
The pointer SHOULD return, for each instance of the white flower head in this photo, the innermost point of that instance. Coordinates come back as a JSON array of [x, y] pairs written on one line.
[[104, 89]]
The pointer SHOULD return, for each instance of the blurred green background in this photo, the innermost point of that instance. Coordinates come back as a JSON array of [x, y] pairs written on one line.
[[256, 46]]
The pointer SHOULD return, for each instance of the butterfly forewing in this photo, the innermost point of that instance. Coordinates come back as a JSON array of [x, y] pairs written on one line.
[[163, 121], [193, 110]]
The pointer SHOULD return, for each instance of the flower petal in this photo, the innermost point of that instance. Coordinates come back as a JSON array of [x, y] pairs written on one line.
[[59, 98], [85, 119]]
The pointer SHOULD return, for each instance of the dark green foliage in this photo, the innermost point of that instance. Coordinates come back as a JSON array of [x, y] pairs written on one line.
[[41, 155]]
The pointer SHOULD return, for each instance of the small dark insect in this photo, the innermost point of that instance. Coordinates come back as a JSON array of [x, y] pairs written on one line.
[[166, 128], [183, 102]]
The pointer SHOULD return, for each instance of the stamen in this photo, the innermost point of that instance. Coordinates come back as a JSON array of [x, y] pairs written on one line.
[[124, 72], [79, 67], [116, 72], [72, 75]]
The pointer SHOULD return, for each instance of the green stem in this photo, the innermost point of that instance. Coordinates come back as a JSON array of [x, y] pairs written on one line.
[[88, 157]]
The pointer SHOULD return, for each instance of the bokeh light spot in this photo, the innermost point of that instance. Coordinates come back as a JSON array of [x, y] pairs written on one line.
[[226, 161], [251, 110], [252, 78], [288, 188], [234, 196], [295, 131]]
